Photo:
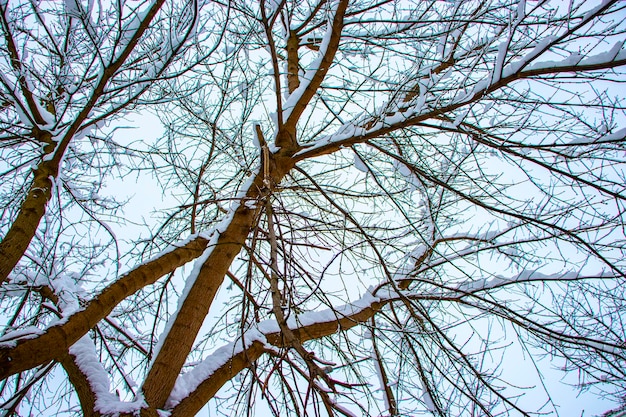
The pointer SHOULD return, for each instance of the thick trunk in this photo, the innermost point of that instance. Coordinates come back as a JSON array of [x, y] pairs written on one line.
[[18, 237], [178, 342], [15, 243]]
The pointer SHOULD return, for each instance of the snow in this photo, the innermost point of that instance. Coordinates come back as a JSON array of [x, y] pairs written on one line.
[[521, 11], [460, 117], [595, 9], [347, 131], [21, 114], [66, 288], [573, 59], [539, 48], [608, 56], [255, 137], [87, 360], [527, 275], [72, 8], [188, 382], [616, 52], [497, 71], [359, 164], [219, 228], [251, 204], [169, 249], [324, 316], [128, 31], [428, 400], [379, 372], [85, 131], [617, 135], [191, 279], [309, 74], [27, 332], [343, 410], [404, 170], [604, 347], [272, 6], [409, 263]]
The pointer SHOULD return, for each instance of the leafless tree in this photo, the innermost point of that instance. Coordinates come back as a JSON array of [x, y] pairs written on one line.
[[398, 201]]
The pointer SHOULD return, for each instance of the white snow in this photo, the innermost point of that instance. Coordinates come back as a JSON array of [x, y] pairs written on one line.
[[617, 135], [428, 400], [272, 6], [191, 279], [608, 56], [87, 360], [573, 59], [593, 11], [527, 275], [169, 249], [379, 372], [521, 11], [28, 332], [188, 382], [604, 347], [539, 48], [310, 72], [219, 228], [409, 262], [359, 164], [66, 288], [129, 29], [72, 8], [497, 71]]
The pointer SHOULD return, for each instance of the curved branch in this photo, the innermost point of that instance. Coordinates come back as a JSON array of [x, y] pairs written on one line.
[[259, 344]]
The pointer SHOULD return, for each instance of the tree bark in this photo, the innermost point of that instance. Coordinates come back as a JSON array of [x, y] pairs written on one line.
[[54, 343], [178, 342], [191, 404]]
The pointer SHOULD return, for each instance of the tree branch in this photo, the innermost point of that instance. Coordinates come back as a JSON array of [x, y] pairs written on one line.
[[55, 341]]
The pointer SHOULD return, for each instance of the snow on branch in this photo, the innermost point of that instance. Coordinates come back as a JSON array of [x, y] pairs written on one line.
[[267, 336], [298, 100], [308, 76], [189, 382], [88, 361], [527, 275], [366, 126], [35, 348]]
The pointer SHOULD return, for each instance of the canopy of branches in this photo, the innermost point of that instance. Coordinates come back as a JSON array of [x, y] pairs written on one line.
[[385, 208]]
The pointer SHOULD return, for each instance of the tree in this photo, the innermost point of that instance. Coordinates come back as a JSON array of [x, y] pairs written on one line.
[[396, 200]]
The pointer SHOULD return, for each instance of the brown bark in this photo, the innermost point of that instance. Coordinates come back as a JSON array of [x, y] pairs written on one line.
[[18, 237], [55, 342], [79, 381], [179, 341], [190, 405], [391, 400], [326, 62], [293, 67], [16, 241]]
